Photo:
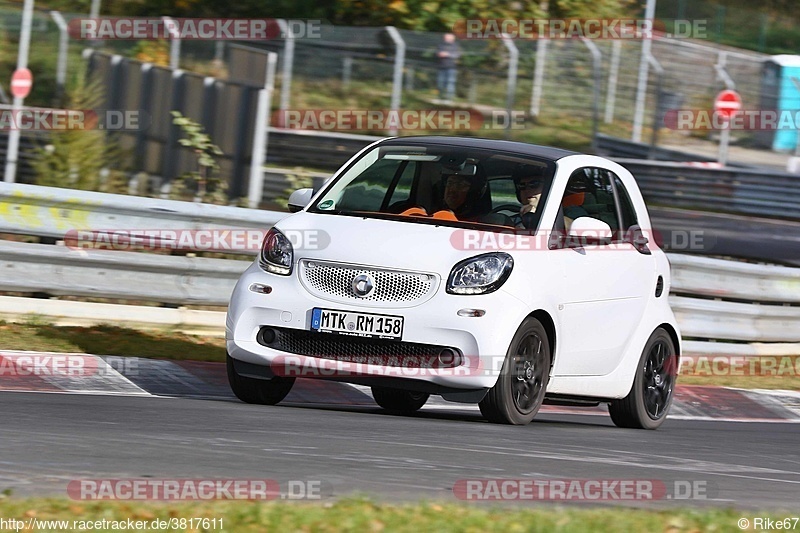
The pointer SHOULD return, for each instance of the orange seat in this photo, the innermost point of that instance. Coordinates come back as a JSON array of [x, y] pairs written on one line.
[[415, 212], [445, 214], [573, 199]]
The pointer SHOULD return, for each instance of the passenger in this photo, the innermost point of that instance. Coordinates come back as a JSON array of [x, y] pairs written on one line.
[[574, 198], [468, 198], [462, 195]]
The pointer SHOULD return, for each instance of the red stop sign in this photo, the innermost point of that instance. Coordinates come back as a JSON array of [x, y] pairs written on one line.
[[21, 83], [727, 103]]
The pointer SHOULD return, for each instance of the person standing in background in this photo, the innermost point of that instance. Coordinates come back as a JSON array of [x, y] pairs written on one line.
[[448, 55]]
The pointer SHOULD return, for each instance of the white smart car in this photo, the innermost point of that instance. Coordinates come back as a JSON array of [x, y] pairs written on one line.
[[490, 272]]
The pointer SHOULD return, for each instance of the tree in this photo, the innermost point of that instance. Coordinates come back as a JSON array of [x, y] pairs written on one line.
[[85, 157], [209, 187]]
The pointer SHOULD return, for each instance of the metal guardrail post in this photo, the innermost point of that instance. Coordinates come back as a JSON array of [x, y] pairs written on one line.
[[613, 76], [397, 78], [725, 134], [538, 75], [175, 43], [597, 60], [22, 62], [641, 86], [722, 74], [511, 89], [410, 74], [659, 82], [219, 51], [288, 63], [255, 187], [347, 70], [63, 44]]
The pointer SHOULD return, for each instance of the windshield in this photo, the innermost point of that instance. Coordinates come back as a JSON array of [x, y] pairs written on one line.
[[442, 184]]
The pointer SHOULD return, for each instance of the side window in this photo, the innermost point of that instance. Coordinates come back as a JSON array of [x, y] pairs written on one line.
[[589, 193], [503, 192], [629, 217], [402, 190], [367, 192]]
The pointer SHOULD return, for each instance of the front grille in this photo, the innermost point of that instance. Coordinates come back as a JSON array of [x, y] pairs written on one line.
[[360, 350], [396, 288]]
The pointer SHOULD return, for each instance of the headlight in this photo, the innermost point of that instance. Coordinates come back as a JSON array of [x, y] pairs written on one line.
[[276, 253], [480, 275]]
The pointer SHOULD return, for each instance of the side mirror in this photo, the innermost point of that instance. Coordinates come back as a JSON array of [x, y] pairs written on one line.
[[585, 231], [299, 199], [590, 229]]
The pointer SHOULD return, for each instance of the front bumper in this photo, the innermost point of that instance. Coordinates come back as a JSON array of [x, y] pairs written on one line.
[[483, 341]]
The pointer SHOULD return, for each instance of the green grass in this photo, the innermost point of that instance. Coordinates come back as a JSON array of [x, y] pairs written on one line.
[[360, 515], [789, 381], [565, 130], [36, 335]]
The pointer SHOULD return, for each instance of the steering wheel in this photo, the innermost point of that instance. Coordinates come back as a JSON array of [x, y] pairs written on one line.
[[511, 208]]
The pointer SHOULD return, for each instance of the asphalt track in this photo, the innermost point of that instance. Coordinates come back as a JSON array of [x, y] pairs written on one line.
[[718, 234], [50, 439]]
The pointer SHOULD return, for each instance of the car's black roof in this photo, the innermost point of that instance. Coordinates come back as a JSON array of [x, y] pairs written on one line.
[[544, 152]]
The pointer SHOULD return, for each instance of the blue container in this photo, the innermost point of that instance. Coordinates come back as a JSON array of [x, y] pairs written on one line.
[[780, 90]]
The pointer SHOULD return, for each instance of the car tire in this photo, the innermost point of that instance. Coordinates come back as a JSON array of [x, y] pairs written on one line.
[[258, 391], [647, 404], [399, 400], [521, 386]]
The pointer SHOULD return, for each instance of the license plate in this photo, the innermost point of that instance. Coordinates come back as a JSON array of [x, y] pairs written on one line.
[[357, 324]]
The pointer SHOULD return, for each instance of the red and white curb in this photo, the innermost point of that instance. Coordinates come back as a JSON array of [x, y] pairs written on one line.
[[134, 376]]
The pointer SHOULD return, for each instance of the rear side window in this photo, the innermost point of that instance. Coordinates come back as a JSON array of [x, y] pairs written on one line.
[[589, 193]]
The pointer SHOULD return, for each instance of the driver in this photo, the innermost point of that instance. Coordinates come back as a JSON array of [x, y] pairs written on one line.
[[529, 185]]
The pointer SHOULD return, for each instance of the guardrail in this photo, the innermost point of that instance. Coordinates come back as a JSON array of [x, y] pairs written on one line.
[[732, 190], [59, 270], [314, 149], [614, 148], [63, 271], [719, 320], [52, 212], [741, 190], [761, 192], [732, 280]]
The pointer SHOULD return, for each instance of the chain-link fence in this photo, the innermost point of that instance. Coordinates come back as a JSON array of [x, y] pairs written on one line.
[[576, 85]]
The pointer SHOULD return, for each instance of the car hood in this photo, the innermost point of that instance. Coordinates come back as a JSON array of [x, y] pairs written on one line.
[[374, 242]]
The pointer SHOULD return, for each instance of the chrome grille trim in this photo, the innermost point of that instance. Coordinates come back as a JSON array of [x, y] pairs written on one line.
[[393, 288]]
